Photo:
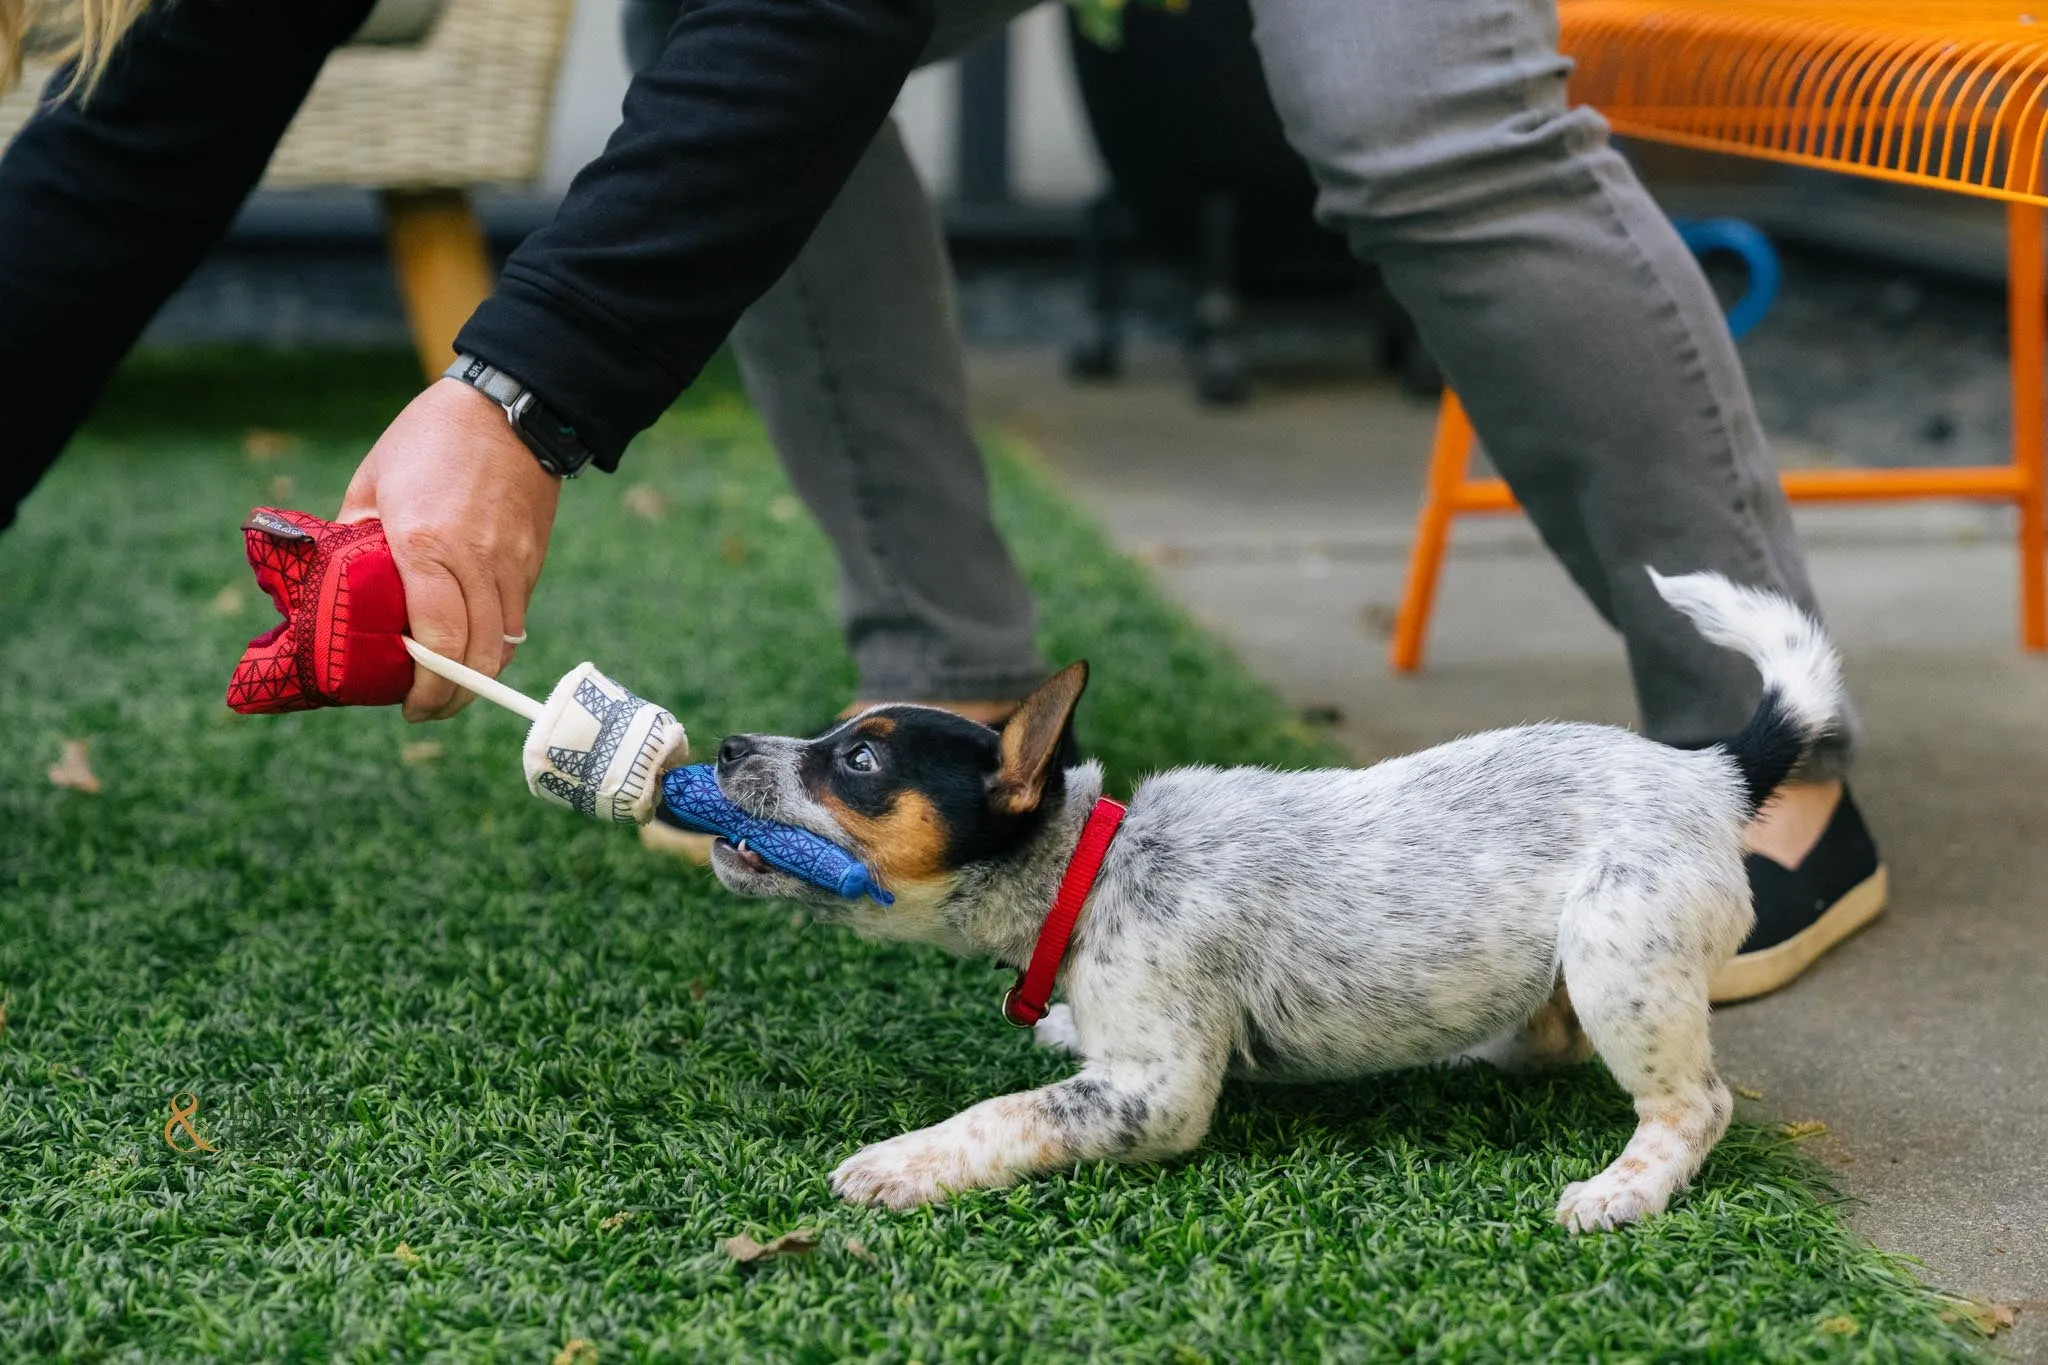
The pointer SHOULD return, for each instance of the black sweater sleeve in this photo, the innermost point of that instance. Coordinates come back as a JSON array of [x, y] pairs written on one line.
[[106, 206], [732, 147]]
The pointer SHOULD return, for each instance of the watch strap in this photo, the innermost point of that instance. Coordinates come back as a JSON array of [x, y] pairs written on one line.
[[489, 380], [553, 442]]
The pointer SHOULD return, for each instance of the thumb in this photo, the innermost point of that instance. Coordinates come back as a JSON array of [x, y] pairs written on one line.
[[359, 503]]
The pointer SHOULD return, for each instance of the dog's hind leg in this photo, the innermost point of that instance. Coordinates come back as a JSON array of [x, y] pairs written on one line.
[[1636, 959]]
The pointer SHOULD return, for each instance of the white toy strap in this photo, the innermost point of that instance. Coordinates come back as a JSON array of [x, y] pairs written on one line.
[[462, 675]]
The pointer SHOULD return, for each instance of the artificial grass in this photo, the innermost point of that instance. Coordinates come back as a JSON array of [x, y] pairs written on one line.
[[419, 1009]]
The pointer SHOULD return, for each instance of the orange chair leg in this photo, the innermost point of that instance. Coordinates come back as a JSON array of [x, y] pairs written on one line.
[[444, 269], [1449, 458], [2027, 319]]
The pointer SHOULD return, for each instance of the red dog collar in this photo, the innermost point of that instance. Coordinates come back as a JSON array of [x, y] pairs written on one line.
[[1025, 1003]]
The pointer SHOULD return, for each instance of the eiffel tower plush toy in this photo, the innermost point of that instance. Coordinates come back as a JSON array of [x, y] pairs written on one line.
[[593, 747]]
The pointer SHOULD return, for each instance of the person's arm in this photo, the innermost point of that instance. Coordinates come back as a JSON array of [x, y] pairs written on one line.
[[733, 146], [106, 205]]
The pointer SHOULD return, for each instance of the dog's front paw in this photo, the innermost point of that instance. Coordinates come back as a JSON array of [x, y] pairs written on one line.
[[1610, 1200], [901, 1173], [1057, 1031]]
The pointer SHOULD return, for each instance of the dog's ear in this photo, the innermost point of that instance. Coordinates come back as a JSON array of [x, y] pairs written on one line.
[[1031, 740]]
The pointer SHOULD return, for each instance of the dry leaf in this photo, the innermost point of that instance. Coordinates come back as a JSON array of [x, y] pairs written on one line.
[[578, 1351], [696, 990], [617, 1220], [1158, 554], [74, 769], [858, 1249], [733, 551], [406, 1256], [282, 487], [1988, 1318], [420, 751], [747, 1251], [1803, 1129], [259, 444], [1839, 1327], [647, 501], [227, 602], [1748, 1094], [1377, 620], [3, 1016]]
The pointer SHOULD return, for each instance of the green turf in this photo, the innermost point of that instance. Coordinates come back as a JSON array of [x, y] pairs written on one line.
[[417, 1007]]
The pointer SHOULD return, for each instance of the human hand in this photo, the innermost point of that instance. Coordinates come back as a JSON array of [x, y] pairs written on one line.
[[467, 511]]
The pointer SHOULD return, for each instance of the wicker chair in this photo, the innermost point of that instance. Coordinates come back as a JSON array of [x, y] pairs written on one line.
[[394, 111], [1943, 94]]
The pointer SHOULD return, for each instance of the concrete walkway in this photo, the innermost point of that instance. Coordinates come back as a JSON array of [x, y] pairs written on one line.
[[1923, 1043]]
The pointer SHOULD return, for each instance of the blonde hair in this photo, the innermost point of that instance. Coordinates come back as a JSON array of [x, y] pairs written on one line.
[[81, 31]]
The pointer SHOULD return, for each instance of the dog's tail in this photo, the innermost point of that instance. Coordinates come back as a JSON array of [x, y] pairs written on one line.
[[1803, 697]]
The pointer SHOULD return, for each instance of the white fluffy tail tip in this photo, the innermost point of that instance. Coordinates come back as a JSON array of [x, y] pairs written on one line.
[[1788, 646]]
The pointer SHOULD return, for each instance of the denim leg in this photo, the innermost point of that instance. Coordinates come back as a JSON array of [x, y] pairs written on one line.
[[854, 360], [1578, 330]]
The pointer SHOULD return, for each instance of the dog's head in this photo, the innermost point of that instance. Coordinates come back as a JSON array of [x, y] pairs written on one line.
[[916, 793]]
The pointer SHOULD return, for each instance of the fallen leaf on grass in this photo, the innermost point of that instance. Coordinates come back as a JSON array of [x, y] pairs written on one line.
[[260, 444], [1988, 1318], [406, 1256], [578, 1351], [227, 602], [1839, 1327], [696, 990], [3, 1016], [747, 1251], [858, 1249], [1748, 1094], [646, 501], [74, 769], [617, 1220], [733, 550], [420, 751], [282, 487], [1803, 1129]]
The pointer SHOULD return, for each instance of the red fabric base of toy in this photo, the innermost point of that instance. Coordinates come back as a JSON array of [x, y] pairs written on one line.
[[340, 643]]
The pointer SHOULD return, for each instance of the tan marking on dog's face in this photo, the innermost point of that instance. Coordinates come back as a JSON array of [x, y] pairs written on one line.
[[905, 847], [876, 727]]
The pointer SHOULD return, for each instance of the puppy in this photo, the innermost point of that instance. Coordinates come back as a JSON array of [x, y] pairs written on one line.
[[1526, 896]]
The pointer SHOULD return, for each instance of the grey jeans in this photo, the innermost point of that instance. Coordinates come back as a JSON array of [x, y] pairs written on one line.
[[1578, 329]]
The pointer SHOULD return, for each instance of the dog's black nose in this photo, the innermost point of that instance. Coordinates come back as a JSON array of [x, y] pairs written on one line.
[[735, 748]]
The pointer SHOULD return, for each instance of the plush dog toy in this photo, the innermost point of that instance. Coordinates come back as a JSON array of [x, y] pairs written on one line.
[[593, 747]]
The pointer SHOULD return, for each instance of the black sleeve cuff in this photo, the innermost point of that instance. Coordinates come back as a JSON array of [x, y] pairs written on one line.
[[733, 146], [584, 366]]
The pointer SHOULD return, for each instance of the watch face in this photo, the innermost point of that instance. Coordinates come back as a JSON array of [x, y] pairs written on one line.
[[552, 440]]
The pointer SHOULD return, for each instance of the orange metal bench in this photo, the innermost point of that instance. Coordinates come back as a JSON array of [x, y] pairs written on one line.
[[1942, 94]]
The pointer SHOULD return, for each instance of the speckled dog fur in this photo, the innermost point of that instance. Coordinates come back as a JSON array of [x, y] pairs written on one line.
[[1523, 896]]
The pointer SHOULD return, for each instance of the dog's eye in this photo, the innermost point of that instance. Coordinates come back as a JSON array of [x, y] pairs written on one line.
[[860, 758]]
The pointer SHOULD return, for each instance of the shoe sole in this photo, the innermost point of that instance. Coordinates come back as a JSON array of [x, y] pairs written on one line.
[[1759, 973], [671, 842]]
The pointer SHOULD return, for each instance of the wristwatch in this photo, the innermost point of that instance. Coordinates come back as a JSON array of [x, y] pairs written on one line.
[[553, 442]]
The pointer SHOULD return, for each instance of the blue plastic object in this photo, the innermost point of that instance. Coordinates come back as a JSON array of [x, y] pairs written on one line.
[[1758, 256], [692, 798]]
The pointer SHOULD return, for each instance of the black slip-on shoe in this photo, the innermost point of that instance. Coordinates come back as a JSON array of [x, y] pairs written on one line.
[[1802, 912]]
